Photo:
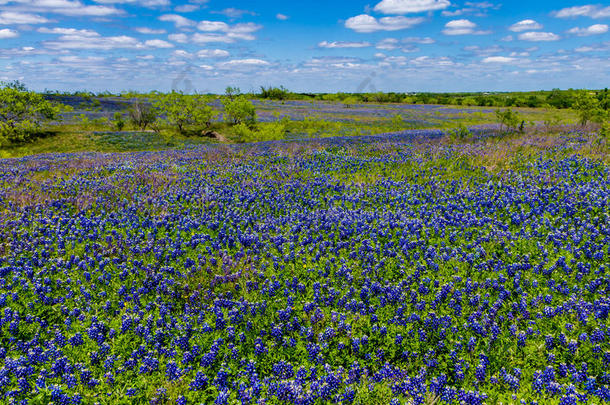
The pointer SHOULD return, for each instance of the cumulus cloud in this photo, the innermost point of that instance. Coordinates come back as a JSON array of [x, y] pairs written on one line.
[[365, 23], [342, 44], [150, 31], [145, 3], [595, 29], [405, 44], [583, 11], [498, 59], [236, 63], [478, 9], [281, 17], [410, 6], [212, 26], [13, 18], [525, 25], [7, 33], [178, 20], [462, 27], [539, 36], [232, 12], [180, 38], [213, 53], [67, 31], [92, 40], [63, 7], [186, 8], [217, 31], [158, 43]]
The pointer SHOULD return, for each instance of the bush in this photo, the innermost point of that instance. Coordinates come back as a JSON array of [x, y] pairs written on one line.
[[274, 93], [266, 132], [588, 108], [459, 134], [184, 111], [239, 110], [509, 119], [118, 123], [141, 115], [22, 112]]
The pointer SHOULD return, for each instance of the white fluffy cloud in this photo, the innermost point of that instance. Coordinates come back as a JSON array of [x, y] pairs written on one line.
[[210, 26], [525, 25], [180, 38], [145, 3], [150, 31], [342, 44], [584, 11], [178, 20], [365, 23], [158, 43], [595, 29], [410, 6], [67, 31], [281, 17], [498, 59], [63, 7], [92, 40], [462, 27], [539, 36], [243, 63], [213, 53], [14, 18], [7, 33]]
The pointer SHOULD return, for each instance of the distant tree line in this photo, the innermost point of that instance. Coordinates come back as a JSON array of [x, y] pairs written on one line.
[[555, 98]]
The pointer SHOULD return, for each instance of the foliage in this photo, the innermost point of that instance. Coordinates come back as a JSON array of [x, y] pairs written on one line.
[[119, 122], [588, 108], [141, 114], [509, 120], [232, 92], [274, 93], [262, 132], [239, 110], [184, 111], [460, 133], [22, 112]]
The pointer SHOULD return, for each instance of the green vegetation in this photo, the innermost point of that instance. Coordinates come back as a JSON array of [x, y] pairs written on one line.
[[184, 111], [22, 112]]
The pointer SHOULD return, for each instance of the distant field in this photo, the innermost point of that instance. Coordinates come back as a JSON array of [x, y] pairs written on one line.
[[89, 126]]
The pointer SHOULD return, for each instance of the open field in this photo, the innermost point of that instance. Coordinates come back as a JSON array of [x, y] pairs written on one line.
[[89, 125], [402, 268]]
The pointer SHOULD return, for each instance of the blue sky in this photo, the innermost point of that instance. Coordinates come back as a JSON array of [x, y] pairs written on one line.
[[317, 46]]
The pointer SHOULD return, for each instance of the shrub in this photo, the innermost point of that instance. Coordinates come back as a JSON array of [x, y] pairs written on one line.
[[266, 132], [141, 115], [510, 120], [183, 110], [118, 123], [274, 93], [22, 112], [461, 133], [239, 110], [588, 108]]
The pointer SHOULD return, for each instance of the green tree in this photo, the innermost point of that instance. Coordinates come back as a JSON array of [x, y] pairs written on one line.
[[119, 122], [22, 112], [509, 119], [239, 110], [588, 108], [141, 115], [232, 92], [184, 111]]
